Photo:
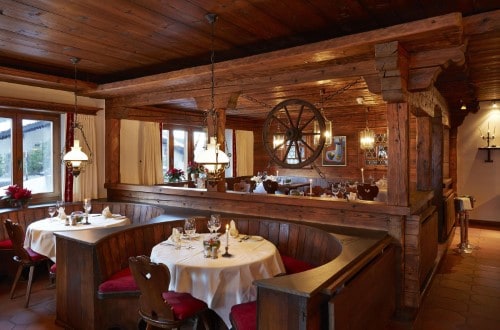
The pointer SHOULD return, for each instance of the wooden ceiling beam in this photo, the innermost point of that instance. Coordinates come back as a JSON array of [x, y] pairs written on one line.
[[446, 29], [42, 80], [33, 105]]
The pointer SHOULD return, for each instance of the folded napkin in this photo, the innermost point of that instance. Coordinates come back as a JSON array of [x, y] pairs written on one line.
[[232, 229], [465, 203], [107, 213], [61, 213]]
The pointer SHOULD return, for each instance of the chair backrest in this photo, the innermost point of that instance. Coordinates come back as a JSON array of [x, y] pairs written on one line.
[[152, 279], [16, 235]]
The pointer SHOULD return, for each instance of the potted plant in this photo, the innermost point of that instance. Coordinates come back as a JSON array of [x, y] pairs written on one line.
[[17, 196], [175, 175]]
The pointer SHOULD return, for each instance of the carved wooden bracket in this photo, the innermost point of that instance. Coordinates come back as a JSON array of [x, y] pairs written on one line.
[[392, 62]]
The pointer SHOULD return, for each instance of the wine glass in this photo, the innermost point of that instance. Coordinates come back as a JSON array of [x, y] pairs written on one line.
[[190, 230], [52, 211], [177, 237], [215, 218], [59, 205], [210, 225], [87, 206]]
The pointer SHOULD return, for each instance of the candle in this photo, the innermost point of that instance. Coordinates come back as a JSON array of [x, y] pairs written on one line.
[[277, 173], [310, 187], [227, 234], [362, 175]]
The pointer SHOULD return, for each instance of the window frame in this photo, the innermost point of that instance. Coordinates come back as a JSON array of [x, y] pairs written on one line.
[[17, 117]]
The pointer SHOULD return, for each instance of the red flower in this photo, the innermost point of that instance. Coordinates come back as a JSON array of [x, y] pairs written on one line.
[[14, 192]]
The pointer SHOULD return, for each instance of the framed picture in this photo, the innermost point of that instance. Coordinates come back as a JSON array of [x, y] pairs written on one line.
[[335, 154]]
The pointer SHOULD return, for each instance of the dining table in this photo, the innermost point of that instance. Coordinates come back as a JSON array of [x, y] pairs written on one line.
[[223, 281], [40, 234]]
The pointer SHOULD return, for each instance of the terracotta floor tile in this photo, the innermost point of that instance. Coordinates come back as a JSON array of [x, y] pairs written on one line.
[[459, 285], [486, 290], [481, 323], [451, 293], [439, 318], [485, 300]]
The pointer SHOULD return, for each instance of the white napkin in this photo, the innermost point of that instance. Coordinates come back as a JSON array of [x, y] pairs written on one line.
[[61, 213], [107, 213], [232, 229]]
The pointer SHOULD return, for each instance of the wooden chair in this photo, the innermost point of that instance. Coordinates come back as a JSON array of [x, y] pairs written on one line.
[[25, 257], [159, 307]]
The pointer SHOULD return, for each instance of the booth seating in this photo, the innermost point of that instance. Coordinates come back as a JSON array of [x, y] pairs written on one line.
[[99, 258], [137, 213]]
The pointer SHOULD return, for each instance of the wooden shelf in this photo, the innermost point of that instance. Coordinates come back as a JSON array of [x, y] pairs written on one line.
[[489, 149]]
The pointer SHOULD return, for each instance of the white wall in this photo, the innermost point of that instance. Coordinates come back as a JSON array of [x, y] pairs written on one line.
[[474, 176]]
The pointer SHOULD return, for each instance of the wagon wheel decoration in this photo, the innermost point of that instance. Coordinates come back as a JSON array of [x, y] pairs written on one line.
[[292, 133]]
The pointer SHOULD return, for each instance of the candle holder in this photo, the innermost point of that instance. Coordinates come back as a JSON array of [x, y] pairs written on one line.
[[227, 254]]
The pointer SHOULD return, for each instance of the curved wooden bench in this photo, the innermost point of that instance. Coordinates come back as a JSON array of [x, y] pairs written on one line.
[[102, 255]]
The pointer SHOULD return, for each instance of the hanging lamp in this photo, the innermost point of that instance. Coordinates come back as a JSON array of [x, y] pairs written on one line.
[[213, 160], [76, 159], [328, 125], [366, 136]]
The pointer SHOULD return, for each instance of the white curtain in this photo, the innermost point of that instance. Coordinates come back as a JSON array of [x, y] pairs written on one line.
[[244, 153], [150, 165], [85, 185]]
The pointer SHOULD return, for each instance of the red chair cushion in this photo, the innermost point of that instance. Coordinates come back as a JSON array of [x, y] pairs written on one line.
[[183, 304], [118, 282], [244, 316], [6, 244], [293, 266], [53, 269], [35, 256]]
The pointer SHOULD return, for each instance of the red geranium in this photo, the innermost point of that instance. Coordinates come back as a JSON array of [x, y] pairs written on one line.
[[175, 174], [16, 193]]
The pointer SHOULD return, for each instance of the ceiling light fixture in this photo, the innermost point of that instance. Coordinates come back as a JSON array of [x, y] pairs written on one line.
[[366, 136], [463, 106], [76, 159], [213, 160]]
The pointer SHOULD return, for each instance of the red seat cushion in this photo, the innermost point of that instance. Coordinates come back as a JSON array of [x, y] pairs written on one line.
[[6, 244], [118, 282], [244, 316], [35, 256], [293, 266], [53, 269], [183, 304]]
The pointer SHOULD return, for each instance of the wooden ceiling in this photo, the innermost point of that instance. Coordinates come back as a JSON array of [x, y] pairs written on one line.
[[156, 54]]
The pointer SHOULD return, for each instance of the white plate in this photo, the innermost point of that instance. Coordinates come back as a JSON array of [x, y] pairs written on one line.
[[256, 238]]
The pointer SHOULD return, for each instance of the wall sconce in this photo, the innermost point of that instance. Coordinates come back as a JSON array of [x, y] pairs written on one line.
[[278, 141]]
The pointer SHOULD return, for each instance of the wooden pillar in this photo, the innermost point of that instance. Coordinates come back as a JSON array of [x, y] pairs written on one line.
[[453, 156], [398, 162], [112, 149], [424, 154], [437, 163]]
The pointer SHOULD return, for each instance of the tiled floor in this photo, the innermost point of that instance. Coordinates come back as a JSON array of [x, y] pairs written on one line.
[[464, 295]]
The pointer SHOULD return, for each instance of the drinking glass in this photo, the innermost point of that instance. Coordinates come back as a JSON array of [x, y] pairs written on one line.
[[52, 211], [59, 205], [190, 230], [215, 218]]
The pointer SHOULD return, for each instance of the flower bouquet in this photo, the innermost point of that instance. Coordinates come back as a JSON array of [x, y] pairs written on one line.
[[174, 175], [17, 196]]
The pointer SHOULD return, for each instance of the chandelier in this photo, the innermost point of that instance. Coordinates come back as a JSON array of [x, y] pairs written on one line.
[[76, 160], [366, 136], [213, 160]]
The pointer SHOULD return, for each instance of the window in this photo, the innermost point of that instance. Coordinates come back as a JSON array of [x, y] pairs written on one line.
[[186, 143], [29, 153]]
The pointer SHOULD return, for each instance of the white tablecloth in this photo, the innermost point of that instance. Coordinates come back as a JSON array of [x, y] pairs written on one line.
[[40, 234], [221, 282]]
